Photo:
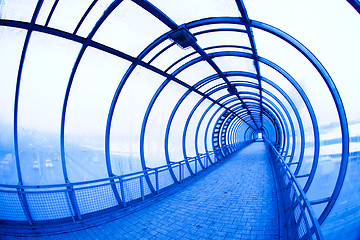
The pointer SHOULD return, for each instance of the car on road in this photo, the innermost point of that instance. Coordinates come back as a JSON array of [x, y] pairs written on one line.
[[4, 166], [48, 163], [36, 165]]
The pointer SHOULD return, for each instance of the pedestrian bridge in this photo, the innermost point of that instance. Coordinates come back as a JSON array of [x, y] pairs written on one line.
[[154, 119]]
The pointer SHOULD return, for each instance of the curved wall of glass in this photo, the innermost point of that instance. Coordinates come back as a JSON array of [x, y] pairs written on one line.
[[95, 91]]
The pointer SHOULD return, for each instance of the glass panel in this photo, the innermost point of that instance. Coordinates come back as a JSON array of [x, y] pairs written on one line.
[[128, 119], [246, 80], [347, 206], [273, 91], [171, 55], [188, 10], [181, 63], [300, 106], [229, 63], [231, 139], [11, 45], [222, 92], [290, 59], [209, 86], [157, 122], [223, 38], [68, 13], [269, 129], [157, 49], [130, 28], [211, 129], [47, 68], [135, 29], [318, 93], [15, 10], [247, 90], [216, 26], [44, 12], [191, 132], [224, 49], [249, 101], [177, 129], [202, 130], [196, 72], [201, 134], [91, 94], [240, 130], [93, 16]]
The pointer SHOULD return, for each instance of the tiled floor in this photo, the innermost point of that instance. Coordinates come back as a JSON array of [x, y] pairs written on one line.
[[236, 200]]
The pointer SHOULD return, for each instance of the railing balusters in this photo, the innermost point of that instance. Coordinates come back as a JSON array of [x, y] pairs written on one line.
[[124, 182], [122, 191], [142, 187], [196, 158], [157, 181], [289, 185]]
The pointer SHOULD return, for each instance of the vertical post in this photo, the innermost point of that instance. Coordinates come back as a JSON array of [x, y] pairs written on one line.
[[73, 201], [196, 159], [183, 171], [208, 156], [24, 204], [122, 192], [142, 188], [180, 172], [157, 181]]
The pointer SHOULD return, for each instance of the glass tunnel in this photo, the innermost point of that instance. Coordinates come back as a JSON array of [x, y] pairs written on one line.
[[105, 103]]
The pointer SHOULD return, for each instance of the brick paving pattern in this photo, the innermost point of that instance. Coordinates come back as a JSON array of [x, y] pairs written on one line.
[[236, 200]]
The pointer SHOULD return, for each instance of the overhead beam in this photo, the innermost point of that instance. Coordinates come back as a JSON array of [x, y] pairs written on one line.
[[156, 13], [171, 24], [246, 20], [355, 4]]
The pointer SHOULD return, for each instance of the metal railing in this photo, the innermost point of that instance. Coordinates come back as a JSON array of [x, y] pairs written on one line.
[[72, 201], [300, 220]]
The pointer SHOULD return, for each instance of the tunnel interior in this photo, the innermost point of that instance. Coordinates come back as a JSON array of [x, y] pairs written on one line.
[[95, 94]]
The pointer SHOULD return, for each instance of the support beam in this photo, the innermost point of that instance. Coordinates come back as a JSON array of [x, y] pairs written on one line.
[[355, 4], [171, 24], [250, 34]]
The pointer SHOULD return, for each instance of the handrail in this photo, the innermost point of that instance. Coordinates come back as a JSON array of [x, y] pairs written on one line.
[[143, 172], [299, 198], [96, 195]]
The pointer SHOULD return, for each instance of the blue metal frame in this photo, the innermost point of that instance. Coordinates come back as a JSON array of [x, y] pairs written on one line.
[[168, 132], [332, 88], [198, 128], [338, 102], [66, 98], [219, 87], [216, 88], [355, 4], [251, 75], [244, 110], [235, 105], [305, 99], [207, 128], [51, 12], [167, 21], [279, 118], [196, 131], [84, 16], [250, 34], [22, 197], [142, 135]]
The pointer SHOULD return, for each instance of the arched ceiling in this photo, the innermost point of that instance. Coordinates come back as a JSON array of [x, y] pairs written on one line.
[[104, 88]]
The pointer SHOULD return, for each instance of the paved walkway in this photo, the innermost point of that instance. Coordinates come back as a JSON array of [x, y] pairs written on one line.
[[237, 200]]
